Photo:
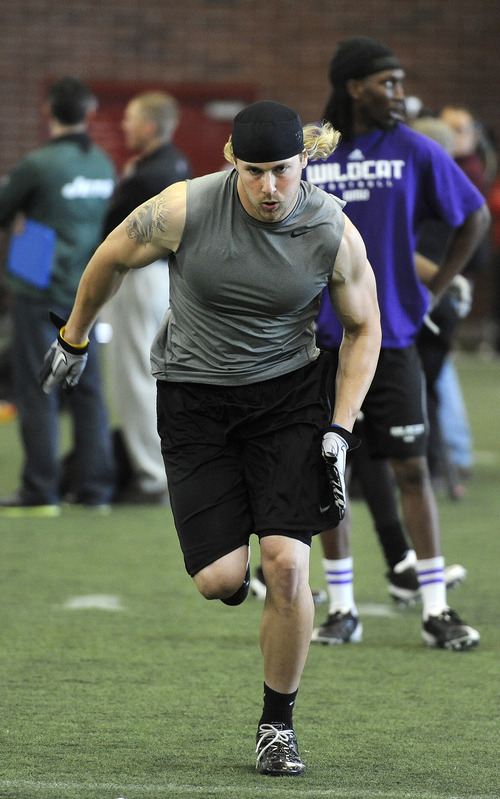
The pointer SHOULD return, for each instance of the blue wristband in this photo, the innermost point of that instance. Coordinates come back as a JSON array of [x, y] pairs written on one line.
[[351, 440]]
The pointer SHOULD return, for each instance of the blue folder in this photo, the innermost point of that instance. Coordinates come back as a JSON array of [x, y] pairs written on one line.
[[31, 253]]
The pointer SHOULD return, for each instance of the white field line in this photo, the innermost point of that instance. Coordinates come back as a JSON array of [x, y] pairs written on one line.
[[178, 790], [374, 609], [94, 602]]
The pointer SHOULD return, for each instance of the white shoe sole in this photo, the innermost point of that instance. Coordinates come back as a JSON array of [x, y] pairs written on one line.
[[469, 640]]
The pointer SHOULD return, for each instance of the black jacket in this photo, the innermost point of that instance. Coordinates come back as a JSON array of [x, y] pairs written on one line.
[[151, 174]]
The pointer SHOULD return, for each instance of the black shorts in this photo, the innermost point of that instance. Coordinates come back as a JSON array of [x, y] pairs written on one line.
[[394, 410], [245, 459]]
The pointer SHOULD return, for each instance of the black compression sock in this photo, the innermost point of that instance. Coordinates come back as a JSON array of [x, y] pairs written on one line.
[[278, 707]]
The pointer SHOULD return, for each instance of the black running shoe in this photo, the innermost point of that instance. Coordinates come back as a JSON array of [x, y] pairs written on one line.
[[403, 580], [241, 594], [448, 631], [339, 628], [277, 751]]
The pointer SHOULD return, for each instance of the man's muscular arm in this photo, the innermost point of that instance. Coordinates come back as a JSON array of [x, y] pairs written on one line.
[[354, 298], [150, 232], [150, 220]]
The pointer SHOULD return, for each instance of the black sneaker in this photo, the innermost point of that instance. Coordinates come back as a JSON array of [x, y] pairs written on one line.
[[339, 628], [448, 631], [277, 751], [258, 588], [16, 505], [241, 594], [403, 581]]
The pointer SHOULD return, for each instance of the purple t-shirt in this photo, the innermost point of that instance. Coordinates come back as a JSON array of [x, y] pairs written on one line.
[[392, 181]]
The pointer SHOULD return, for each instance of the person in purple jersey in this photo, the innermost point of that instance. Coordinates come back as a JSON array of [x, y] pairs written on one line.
[[392, 180]]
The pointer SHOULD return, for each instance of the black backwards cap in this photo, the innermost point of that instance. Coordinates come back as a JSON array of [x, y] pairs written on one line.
[[267, 131], [359, 57]]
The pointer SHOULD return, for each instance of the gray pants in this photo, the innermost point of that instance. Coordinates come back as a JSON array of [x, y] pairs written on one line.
[[135, 314]]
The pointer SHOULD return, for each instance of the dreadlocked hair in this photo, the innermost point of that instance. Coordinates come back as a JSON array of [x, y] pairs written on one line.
[[338, 111]]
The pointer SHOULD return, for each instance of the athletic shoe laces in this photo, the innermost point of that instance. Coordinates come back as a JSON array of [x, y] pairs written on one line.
[[272, 739]]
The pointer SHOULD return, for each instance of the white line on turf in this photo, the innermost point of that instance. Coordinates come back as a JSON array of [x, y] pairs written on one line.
[[260, 789], [373, 609], [94, 601]]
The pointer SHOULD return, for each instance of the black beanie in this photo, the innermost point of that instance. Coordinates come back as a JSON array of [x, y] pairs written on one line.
[[267, 131], [358, 57]]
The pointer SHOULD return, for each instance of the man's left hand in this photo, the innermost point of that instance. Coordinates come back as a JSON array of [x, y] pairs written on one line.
[[336, 443]]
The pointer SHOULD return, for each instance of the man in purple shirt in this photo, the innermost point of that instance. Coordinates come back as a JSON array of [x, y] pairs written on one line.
[[392, 180]]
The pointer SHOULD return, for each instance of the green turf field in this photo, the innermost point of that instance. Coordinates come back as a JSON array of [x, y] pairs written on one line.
[[118, 680]]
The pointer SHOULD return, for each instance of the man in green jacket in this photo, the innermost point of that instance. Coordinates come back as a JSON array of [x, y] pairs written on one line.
[[55, 198]]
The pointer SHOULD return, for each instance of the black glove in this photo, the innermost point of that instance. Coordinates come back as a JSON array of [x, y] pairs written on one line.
[[336, 443], [64, 362]]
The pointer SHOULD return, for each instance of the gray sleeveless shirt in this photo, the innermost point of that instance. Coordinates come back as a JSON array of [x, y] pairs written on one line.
[[244, 294]]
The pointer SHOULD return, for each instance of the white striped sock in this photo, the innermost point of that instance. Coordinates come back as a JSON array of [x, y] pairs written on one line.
[[430, 573], [339, 578]]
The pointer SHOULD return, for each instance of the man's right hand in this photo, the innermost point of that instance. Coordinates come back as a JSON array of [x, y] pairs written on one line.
[[64, 362]]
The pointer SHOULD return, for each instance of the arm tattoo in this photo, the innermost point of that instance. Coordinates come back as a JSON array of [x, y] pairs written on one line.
[[140, 223], [143, 221]]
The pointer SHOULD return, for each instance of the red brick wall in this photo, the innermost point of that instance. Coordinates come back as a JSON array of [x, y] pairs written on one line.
[[448, 48]]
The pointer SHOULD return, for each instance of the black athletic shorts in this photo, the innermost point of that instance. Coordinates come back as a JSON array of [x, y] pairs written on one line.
[[245, 459], [394, 410]]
